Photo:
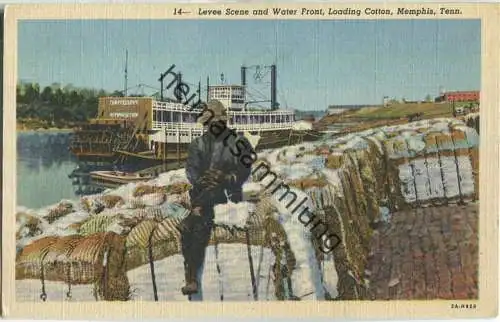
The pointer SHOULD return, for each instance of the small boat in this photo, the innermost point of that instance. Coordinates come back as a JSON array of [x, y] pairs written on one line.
[[119, 177]]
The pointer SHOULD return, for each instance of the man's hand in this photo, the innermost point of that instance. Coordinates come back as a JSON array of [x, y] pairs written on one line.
[[196, 211], [231, 178], [211, 179]]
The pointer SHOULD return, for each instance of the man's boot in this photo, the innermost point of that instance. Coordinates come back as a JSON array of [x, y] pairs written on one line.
[[191, 286]]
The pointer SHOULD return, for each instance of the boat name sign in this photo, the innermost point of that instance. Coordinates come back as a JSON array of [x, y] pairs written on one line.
[[123, 102], [124, 115]]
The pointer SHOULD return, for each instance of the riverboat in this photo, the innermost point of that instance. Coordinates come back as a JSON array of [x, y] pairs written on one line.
[[146, 131]]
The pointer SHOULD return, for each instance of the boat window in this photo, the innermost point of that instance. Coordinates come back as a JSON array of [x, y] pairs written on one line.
[[176, 117], [165, 116], [156, 116]]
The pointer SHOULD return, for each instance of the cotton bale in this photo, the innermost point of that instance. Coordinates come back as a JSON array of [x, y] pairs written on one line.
[[62, 209], [110, 201], [471, 134], [451, 178], [415, 145], [355, 234], [153, 199], [99, 259], [31, 256], [335, 161], [137, 244], [396, 148], [183, 199], [144, 189], [370, 182], [97, 224], [308, 182], [474, 157], [168, 231], [139, 235], [55, 258], [321, 197], [116, 288], [466, 178], [59, 251], [445, 144], [396, 199], [178, 188], [460, 142], [94, 253], [431, 146], [375, 163]]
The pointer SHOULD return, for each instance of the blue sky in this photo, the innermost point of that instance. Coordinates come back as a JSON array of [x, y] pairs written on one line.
[[319, 62]]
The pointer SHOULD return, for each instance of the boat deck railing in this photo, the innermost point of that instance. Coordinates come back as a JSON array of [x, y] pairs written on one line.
[[244, 127]]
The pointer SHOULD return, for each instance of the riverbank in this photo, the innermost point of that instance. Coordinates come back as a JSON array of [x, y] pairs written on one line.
[[36, 125], [393, 114], [49, 130]]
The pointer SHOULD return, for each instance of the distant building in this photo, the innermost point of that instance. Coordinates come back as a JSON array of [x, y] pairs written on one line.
[[385, 101], [337, 109], [459, 96]]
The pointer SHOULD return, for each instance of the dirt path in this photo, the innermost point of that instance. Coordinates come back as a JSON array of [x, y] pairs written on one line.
[[429, 253]]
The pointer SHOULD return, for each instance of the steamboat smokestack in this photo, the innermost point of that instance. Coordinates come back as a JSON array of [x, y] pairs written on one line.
[[126, 74], [274, 105], [208, 88], [243, 76], [179, 81]]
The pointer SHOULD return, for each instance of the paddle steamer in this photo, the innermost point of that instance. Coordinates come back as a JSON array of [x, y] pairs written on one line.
[[147, 132]]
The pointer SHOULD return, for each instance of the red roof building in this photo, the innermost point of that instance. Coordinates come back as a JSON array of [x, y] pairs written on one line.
[[462, 96]]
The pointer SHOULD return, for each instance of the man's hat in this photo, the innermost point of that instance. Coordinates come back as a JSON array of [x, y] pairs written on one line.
[[214, 111]]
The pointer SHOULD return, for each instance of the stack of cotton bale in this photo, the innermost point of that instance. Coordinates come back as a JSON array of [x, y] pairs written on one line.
[[353, 180], [433, 163], [339, 178], [75, 259]]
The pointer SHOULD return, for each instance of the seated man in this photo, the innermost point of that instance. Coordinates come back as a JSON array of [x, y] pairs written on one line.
[[213, 168]]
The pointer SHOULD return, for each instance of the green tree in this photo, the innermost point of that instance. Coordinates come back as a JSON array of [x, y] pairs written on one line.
[[56, 104], [46, 95], [31, 93]]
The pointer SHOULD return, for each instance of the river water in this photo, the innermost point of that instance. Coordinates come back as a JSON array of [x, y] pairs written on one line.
[[43, 165]]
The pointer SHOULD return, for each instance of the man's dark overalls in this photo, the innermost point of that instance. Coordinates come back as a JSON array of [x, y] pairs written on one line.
[[212, 169]]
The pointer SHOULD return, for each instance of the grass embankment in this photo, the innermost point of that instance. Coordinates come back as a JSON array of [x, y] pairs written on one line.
[[369, 117], [23, 125], [429, 110]]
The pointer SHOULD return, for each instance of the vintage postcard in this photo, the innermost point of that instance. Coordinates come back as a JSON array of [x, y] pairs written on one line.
[[277, 160]]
